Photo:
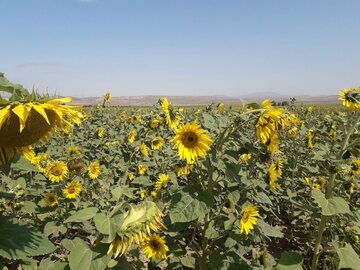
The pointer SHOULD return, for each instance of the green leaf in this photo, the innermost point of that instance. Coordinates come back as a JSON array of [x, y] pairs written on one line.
[[18, 240], [82, 215], [348, 257], [290, 261], [120, 191], [332, 206], [106, 225], [52, 229], [23, 164], [70, 244], [188, 261], [82, 257], [188, 205], [269, 230]]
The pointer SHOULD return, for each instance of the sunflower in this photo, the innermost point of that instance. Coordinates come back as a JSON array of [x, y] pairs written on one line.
[[292, 132], [51, 199], [278, 166], [155, 122], [172, 119], [132, 136], [356, 166], [220, 106], [307, 180], [316, 186], [107, 97], [310, 144], [74, 151], [244, 158], [130, 176], [143, 150], [183, 170], [100, 132], [191, 142], [94, 170], [56, 171], [28, 153], [272, 177], [163, 178], [272, 143], [268, 122], [134, 118], [75, 165], [122, 116], [142, 169], [155, 247], [143, 193], [157, 143], [248, 218], [25, 123], [72, 190], [41, 162], [350, 98], [137, 224], [149, 133]]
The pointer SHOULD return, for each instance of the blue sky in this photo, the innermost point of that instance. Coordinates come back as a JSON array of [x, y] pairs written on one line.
[[181, 47]]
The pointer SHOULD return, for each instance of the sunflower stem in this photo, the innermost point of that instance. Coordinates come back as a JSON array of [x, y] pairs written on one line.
[[328, 195]]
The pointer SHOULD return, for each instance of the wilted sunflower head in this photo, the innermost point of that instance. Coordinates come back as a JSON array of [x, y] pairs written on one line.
[[75, 165], [137, 223], [350, 98]]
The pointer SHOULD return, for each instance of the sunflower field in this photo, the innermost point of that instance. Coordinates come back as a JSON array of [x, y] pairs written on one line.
[[252, 187]]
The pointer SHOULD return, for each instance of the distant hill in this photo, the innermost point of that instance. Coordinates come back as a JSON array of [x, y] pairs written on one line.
[[204, 100]]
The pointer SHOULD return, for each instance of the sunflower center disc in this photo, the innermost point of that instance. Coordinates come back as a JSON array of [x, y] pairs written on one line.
[[190, 139]]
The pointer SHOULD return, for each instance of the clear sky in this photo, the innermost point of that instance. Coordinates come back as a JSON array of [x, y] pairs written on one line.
[[181, 47]]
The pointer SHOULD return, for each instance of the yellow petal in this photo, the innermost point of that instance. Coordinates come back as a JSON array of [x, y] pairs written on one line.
[[4, 113], [58, 100], [42, 112], [22, 111]]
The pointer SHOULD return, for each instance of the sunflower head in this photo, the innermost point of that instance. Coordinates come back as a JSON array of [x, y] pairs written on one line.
[[56, 171], [154, 246], [144, 150], [75, 165], [248, 218], [192, 142], [107, 97], [350, 98], [157, 143], [136, 224], [132, 136], [94, 170], [51, 199], [271, 177], [72, 190], [134, 118]]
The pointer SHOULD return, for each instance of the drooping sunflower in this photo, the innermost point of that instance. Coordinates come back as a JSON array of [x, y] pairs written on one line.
[[272, 143], [72, 190], [172, 118], [51, 199], [56, 171], [268, 122], [100, 132], [248, 218], [94, 170], [144, 150], [350, 98], [157, 143], [272, 177], [292, 132], [137, 224], [163, 178], [191, 141], [107, 97], [132, 136], [279, 164], [310, 144], [155, 247], [26, 118]]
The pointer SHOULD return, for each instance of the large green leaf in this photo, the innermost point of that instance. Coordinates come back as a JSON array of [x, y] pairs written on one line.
[[107, 225], [82, 257], [332, 206], [82, 215], [18, 240], [348, 257], [269, 230], [290, 261], [188, 205]]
